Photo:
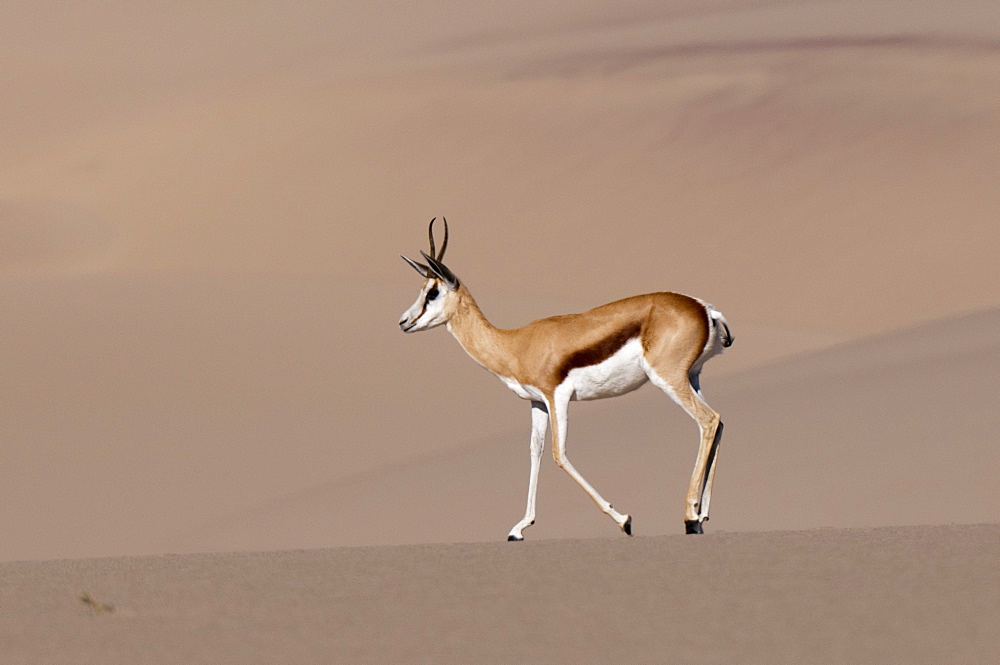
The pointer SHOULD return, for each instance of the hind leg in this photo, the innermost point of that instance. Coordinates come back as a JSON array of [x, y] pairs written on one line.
[[706, 493], [682, 389]]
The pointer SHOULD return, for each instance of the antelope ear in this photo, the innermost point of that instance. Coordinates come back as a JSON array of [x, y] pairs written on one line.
[[419, 267], [441, 271]]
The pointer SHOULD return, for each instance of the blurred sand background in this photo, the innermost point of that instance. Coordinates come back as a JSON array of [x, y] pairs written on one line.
[[202, 204]]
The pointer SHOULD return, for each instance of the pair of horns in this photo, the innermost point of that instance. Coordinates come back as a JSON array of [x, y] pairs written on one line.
[[434, 267], [430, 236]]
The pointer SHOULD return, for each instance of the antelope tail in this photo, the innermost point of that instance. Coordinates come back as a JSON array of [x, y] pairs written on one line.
[[726, 336]]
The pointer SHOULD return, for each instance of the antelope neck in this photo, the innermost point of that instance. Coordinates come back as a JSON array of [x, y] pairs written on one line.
[[484, 342]]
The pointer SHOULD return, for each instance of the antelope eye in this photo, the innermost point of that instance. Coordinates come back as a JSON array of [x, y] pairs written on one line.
[[433, 293]]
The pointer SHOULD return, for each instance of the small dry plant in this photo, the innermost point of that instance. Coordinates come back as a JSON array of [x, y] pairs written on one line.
[[98, 608]]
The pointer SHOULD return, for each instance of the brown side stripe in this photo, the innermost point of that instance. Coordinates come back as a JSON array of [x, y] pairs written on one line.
[[599, 352]]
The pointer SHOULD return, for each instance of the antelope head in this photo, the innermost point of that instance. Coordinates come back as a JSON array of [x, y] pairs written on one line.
[[437, 299]]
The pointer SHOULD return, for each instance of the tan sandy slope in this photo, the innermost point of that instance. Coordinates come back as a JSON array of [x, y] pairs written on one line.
[[903, 594], [201, 207]]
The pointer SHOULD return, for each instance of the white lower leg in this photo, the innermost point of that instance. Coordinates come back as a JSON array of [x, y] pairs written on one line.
[[529, 514], [539, 424], [559, 453], [601, 502]]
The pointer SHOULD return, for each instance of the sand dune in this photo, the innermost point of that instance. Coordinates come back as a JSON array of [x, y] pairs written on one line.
[[260, 454], [904, 594], [200, 281], [200, 212]]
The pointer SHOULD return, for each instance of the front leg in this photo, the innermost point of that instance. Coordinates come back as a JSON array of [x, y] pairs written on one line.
[[560, 419], [539, 425]]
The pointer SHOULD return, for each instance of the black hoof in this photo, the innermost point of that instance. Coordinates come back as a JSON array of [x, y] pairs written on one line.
[[627, 527], [693, 526], [514, 539]]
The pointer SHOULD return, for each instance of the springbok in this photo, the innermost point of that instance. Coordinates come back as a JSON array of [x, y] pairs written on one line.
[[605, 352]]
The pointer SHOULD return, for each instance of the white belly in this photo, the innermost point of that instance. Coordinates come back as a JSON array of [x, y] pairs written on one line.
[[619, 374], [523, 390]]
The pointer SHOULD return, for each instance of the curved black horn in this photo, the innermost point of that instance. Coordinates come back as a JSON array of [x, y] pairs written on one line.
[[430, 236], [444, 245]]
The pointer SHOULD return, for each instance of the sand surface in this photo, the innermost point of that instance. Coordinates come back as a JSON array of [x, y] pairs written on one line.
[[201, 208], [889, 595]]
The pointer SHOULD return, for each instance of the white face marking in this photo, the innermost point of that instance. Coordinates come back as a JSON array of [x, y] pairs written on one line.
[[429, 309], [621, 373]]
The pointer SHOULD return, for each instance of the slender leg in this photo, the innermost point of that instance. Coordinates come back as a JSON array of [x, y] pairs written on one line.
[[706, 495], [539, 425], [559, 413], [682, 389], [696, 511]]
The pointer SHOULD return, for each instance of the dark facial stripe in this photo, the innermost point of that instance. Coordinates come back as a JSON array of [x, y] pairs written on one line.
[[423, 309], [600, 351]]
